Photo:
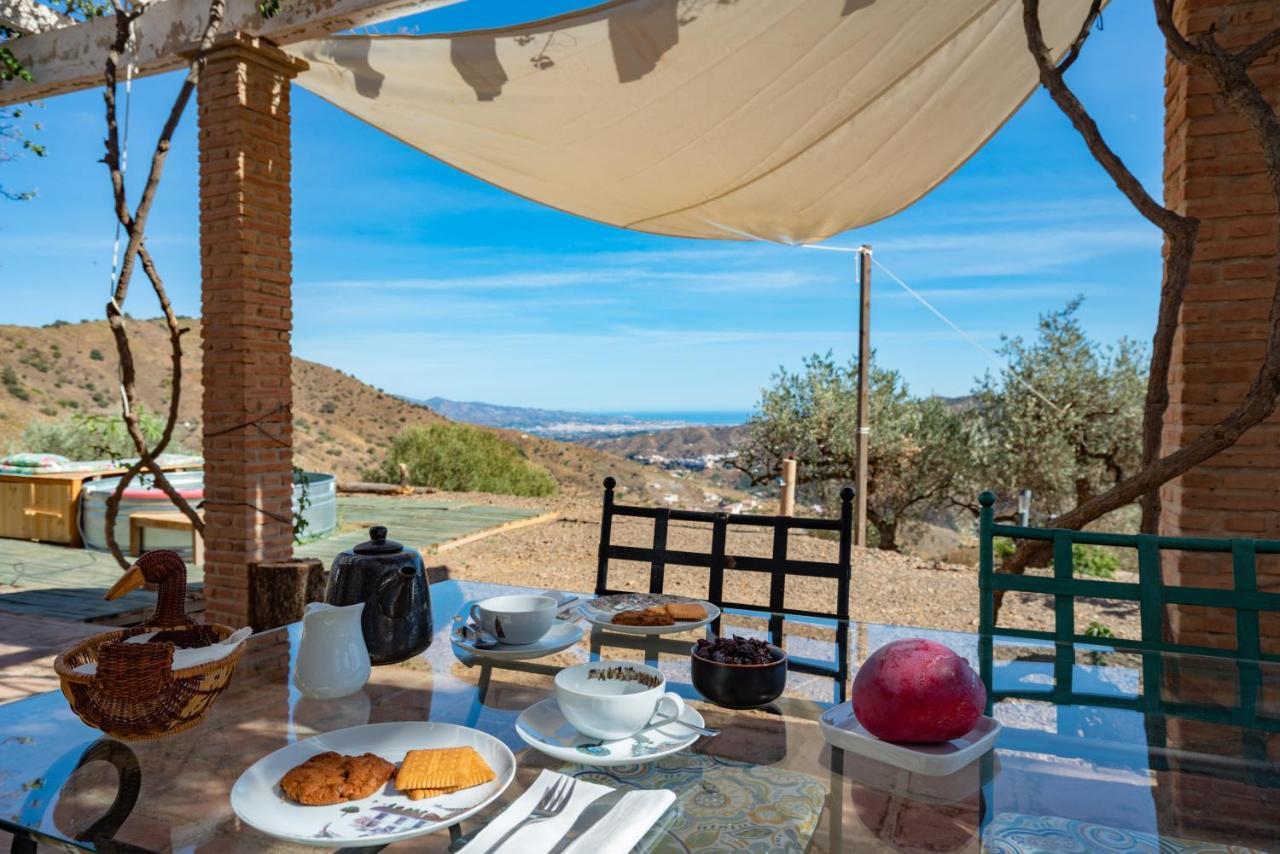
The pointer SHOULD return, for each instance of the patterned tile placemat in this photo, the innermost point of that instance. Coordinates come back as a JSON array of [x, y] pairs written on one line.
[[1014, 833], [722, 804]]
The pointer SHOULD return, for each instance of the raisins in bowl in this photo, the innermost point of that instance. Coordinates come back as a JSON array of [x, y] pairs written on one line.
[[737, 672], [735, 650]]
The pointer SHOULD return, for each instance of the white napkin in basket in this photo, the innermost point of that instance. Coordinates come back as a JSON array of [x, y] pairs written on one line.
[[183, 658], [618, 831]]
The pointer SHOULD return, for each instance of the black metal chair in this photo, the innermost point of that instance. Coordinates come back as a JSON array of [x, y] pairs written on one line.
[[778, 567]]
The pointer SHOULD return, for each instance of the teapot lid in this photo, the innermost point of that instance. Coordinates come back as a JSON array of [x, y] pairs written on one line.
[[378, 544]]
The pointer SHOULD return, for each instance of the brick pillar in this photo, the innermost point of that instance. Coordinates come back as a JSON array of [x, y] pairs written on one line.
[[246, 271], [1214, 171]]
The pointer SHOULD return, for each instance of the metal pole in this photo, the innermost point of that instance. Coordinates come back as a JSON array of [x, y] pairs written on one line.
[[864, 391]]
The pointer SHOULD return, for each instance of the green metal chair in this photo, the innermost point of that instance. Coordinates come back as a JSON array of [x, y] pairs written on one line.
[[1152, 594], [1245, 662]]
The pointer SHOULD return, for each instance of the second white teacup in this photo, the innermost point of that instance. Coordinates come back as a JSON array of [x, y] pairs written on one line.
[[517, 619], [614, 699]]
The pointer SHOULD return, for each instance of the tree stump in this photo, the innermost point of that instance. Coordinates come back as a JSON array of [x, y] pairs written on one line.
[[280, 590]]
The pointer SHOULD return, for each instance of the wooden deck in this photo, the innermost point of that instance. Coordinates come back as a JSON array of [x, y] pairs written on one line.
[[68, 583]]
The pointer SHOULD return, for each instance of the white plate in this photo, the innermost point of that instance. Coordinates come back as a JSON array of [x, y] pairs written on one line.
[[604, 618], [385, 816], [841, 729], [562, 635], [545, 729]]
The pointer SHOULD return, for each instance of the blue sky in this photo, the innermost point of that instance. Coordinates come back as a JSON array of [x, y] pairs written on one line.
[[424, 281]]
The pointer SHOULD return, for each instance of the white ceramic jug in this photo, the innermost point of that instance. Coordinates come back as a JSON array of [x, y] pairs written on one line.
[[332, 658]]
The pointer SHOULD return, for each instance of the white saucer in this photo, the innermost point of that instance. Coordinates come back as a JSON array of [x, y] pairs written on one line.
[[562, 635], [544, 728], [603, 617], [840, 727], [387, 815]]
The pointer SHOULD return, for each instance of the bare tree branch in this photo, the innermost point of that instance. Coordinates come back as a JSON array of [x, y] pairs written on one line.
[[1073, 52], [1259, 49], [1245, 99], [1180, 234], [134, 224]]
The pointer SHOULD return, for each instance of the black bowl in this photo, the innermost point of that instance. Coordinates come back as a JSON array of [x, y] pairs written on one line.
[[740, 686]]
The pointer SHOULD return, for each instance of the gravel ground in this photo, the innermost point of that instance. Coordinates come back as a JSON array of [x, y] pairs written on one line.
[[887, 587]]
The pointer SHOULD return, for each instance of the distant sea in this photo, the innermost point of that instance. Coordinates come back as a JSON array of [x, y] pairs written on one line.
[[692, 416]]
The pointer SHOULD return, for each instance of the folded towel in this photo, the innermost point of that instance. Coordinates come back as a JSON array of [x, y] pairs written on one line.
[[184, 658], [620, 829], [33, 461]]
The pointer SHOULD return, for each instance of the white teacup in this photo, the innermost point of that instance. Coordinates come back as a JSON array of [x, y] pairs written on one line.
[[516, 620], [609, 700]]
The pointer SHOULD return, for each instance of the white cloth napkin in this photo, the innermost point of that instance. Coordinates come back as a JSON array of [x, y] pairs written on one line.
[[618, 831], [183, 658]]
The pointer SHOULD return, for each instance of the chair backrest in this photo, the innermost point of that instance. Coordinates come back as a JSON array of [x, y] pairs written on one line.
[[778, 566], [1152, 594]]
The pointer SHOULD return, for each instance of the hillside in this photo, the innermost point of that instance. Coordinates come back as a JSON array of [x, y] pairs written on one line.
[[341, 425], [551, 423], [676, 443]]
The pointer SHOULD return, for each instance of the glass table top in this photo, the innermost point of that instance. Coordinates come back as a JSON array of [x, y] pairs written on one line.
[[1123, 751]]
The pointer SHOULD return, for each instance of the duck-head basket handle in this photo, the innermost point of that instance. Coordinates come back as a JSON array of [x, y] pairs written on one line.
[[168, 571]]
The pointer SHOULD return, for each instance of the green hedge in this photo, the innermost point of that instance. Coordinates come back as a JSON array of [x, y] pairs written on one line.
[[92, 437], [1092, 561], [462, 458]]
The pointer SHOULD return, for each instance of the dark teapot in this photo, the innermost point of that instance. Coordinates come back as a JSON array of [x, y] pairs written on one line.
[[392, 583]]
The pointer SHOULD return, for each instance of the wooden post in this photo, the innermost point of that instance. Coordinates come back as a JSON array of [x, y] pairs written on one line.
[[864, 391], [787, 504]]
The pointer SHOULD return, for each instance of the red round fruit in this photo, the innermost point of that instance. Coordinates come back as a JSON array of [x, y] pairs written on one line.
[[916, 690]]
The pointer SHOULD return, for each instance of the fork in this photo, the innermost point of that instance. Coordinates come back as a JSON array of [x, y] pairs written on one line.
[[552, 803]]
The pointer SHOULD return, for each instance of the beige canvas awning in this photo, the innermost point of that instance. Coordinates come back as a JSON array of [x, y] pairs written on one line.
[[788, 120]]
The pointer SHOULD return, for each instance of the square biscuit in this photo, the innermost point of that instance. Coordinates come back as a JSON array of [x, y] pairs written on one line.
[[443, 768], [686, 611]]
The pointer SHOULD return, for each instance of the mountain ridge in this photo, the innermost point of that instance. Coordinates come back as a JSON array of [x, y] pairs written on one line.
[[552, 423], [341, 424]]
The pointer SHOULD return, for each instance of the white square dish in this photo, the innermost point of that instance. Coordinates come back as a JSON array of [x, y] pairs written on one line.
[[841, 729]]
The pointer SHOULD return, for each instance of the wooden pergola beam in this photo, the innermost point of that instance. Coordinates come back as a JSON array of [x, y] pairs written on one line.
[[73, 57], [28, 16]]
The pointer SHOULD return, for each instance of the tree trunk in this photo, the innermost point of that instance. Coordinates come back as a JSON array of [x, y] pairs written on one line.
[[886, 534], [280, 590]]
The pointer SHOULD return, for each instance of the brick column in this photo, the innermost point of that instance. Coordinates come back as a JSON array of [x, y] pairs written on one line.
[[1214, 171], [246, 270]]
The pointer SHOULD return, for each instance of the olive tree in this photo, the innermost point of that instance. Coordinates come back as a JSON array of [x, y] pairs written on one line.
[[1076, 435], [916, 445], [17, 127]]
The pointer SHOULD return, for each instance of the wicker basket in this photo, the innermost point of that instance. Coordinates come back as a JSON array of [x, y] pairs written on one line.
[[135, 694]]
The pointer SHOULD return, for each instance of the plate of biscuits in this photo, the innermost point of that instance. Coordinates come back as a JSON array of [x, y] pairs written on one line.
[[648, 613], [374, 784]]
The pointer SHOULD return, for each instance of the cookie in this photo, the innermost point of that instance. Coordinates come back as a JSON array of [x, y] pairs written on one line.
[[332, 778], [442, 769], [656, 616], [683, 611]]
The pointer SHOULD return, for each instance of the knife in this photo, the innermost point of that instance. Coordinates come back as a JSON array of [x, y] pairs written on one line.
[[587, 819]]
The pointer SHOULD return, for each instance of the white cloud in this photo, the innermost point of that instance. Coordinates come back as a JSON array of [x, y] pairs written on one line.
[[702, 281]]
